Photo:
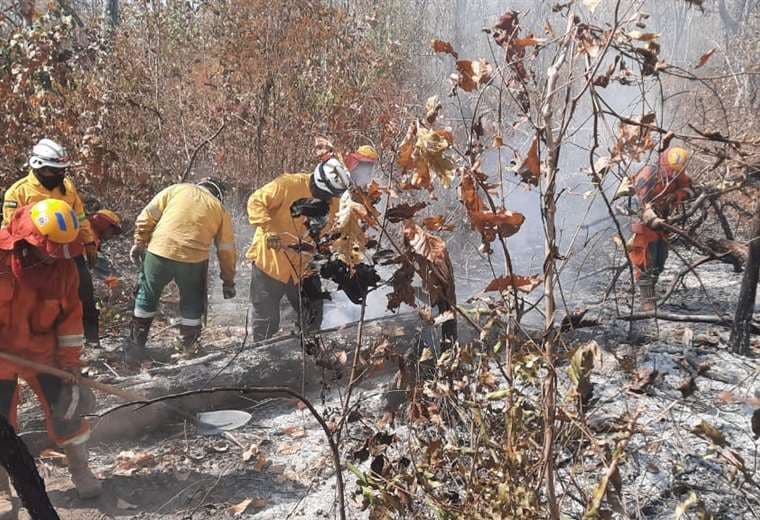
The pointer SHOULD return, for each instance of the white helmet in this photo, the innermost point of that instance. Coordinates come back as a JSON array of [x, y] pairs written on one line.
[[331, 176], [48, 153]]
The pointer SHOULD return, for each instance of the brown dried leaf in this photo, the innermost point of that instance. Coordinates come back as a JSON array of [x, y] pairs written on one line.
[[643, 36], [239, 508], [687, 387], [705, 58], [440, 46], [351, 241], [433, 261], [530, 169], [643, 378], [472, 74], [436, 223], [403, 211], [524, 284], [433, 107], [529, 41], [706, 430], [403, 292], [756, 423]]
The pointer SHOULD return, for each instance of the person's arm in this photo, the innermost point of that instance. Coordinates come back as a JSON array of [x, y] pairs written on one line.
[[68, 328], [150, 215], [262, 202], [84, 224], [225, 250], [11, 203]]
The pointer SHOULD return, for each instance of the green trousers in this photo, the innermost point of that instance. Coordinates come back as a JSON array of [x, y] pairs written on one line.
[[190, 279]]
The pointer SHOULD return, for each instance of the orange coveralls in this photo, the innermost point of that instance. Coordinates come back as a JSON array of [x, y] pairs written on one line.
[[661, 188], [41, 322]]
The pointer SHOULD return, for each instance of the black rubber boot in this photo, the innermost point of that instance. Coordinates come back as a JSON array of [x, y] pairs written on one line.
[[134, 348]]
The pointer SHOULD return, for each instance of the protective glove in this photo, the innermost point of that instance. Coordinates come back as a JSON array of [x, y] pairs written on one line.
[[91, 252], [228, 291], [273, 241], [137, 254]]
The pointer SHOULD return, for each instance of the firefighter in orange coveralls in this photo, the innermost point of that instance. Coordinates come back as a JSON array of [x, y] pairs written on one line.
[[659, 188], [41, 321]]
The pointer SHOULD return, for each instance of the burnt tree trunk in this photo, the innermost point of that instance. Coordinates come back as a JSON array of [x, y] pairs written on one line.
[[742, 329], [18, 462]]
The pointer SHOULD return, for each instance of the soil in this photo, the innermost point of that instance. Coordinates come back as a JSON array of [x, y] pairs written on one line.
[[284, 466]]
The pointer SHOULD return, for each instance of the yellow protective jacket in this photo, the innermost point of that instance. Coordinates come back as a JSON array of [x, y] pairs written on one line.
[[269, 211], [181, 222], [29, 190]]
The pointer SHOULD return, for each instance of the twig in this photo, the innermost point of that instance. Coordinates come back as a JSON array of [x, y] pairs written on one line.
[[199, 148]]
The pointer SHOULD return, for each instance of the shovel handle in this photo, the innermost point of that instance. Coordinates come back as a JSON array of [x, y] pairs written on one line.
[[53, 371], [103, 387]]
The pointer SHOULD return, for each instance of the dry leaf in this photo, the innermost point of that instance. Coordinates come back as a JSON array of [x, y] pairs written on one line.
[[403, 292], [426, 355], [239, 509], [642, 36], [498, 141], [351, 242], [288, 449], [706, 430], [251, 452], [433, 107], [529, 41], [434, 264], [756, 423], [127, 462], [123, 504], [442, 46], [403, 211], [530, 169], [436, 223], [472, 74], [643, 379], [592, 4], [524, 284], [422, 152], [426, 314], [705, 58]]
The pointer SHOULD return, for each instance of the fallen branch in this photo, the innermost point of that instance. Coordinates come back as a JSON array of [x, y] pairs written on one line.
[[686, 318], [269, 390], [19, 463], [199, 148]]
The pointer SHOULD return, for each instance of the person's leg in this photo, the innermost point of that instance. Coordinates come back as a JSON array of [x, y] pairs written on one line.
[[64, 405], [8, 403], [266, 294], [156, 273], [192, 284], [89, 307], [307, 301]]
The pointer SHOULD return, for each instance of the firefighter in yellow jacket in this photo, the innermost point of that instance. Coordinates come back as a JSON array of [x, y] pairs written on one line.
[[280, 266], [172, 238], [47, 180]]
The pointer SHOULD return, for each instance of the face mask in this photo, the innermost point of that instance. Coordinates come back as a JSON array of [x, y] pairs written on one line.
[[50, 182], [362, 174]]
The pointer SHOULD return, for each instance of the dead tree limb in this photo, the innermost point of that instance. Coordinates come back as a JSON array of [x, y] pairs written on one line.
[[742, 326], [19, 463], [688, 318], [199, 148]]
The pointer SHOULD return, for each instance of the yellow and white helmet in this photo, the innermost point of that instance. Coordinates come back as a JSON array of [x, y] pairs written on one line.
[[56, 220], [676, 158]]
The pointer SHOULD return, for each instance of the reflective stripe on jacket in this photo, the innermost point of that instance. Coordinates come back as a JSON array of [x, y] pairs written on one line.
[[41, 326], [29, 190], [182, 221], [269, 211]]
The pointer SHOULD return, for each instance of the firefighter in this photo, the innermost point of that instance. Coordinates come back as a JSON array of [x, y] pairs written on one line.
[[41, 321], [277, 268], [47, 180], [105, 225], [172, 238], [658, 188]]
